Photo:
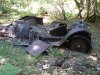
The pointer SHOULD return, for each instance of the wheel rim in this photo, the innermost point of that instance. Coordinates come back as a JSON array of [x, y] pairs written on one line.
[[79, 44]]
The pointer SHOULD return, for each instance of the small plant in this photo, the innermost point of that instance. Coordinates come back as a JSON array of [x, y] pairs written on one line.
[[9, 69], [56, 53], [91, 73]]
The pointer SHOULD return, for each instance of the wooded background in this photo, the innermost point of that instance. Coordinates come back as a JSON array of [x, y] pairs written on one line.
[[57, 9]]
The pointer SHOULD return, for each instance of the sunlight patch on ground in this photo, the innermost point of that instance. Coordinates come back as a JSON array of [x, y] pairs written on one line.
[[29, 57], [93, 58], [2, 60], [47, 20]]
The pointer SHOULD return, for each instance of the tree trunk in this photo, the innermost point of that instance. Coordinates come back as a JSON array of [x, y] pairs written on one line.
[[93, 16], [62, 9], [63, 13], [88, 9], [80, 7]]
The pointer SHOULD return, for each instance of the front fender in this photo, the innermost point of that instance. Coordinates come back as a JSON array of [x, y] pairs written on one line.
[[75, 31]]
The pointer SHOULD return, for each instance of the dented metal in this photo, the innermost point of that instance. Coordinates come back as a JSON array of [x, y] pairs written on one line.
[[42, 37]]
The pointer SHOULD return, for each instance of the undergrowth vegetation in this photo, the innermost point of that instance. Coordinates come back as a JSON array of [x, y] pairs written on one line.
[[16, 57]]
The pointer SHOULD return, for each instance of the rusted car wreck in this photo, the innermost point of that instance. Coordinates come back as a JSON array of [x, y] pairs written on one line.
[[77, 37]]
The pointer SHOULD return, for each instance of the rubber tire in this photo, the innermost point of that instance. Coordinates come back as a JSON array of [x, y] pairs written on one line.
[[76, 40]]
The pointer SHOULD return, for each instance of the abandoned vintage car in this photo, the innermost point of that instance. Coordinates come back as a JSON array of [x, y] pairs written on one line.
[[77, 37]]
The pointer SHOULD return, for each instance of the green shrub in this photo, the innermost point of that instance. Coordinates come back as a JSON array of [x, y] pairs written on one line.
[[9, 69]]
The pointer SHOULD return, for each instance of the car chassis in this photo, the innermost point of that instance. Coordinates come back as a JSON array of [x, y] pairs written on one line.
[[77, 37]]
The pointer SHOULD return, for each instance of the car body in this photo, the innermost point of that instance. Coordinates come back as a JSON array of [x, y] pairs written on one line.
[[77, 37]]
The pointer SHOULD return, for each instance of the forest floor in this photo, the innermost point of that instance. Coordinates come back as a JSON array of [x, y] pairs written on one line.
[[76, 63]]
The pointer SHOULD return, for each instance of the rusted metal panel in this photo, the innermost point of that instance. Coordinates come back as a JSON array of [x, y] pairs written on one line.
[[37, 47]]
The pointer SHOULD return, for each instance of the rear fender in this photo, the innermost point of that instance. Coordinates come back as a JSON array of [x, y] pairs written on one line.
[[76, 31]]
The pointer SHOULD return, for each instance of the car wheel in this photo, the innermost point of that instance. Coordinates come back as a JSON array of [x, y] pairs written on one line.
[[80, 44]]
